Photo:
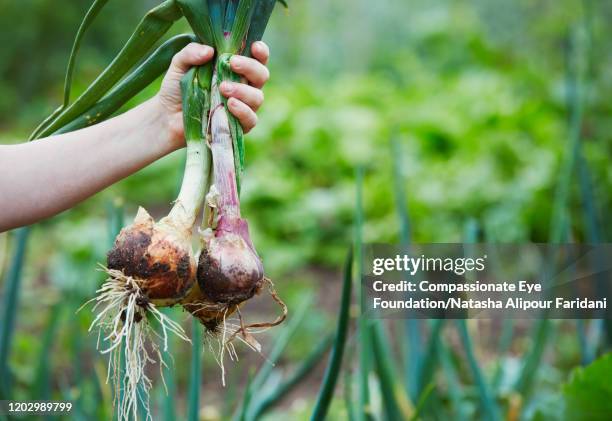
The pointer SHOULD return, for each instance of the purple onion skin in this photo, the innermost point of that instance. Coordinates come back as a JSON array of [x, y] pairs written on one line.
[[229, 269]]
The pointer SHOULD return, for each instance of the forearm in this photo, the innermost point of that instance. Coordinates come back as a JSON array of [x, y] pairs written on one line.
[[45, 177]]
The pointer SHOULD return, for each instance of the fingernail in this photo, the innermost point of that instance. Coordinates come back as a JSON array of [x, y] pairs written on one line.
[[236, 62], [227, 87], [232, 102]]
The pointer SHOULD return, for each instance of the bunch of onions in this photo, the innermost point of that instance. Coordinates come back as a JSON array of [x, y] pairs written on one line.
[[152, 264], [229, 269]]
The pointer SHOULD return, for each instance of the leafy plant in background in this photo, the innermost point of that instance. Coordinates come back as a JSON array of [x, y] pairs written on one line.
[[466, 135], [232, 271]]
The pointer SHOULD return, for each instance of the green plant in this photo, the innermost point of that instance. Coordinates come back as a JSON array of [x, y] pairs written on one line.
[[231, 27], [9, 307], [335, 360]]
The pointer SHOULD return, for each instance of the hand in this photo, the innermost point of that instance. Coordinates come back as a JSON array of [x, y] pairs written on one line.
[[244, 99]]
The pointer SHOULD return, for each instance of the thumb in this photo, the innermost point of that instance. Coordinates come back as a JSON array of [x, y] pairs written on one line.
[[191, 55]]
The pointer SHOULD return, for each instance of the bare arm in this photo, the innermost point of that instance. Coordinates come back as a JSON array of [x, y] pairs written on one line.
[[45, 177]]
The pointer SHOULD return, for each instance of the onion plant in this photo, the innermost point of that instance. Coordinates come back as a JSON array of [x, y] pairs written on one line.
[[152, 264]]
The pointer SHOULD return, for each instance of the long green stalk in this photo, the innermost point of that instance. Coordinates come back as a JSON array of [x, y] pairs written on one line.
[[454, 387], [90, 16], [487, 401], [195, 371], [430, 360], [363, 331], [560, 216], [284, 388], [197, 14], [349, 404], [115, 223], [9, 309], [387, 378], [42, 384], [261, 16], [282, 341], [505, 340], [489, 406], [413, 340], [507, 328], [155, 23], [335, 360], [153, 67], [195, 88], [594, 232], [248, 395]]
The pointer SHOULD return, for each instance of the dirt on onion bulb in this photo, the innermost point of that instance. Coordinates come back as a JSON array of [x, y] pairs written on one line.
[[159, 256]]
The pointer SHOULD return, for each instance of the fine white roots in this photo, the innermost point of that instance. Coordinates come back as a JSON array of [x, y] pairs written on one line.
[[234, 328], [121, 320]]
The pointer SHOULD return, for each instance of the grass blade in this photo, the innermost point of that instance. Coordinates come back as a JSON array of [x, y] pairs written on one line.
[[389, 385], [455, 389], [505, 340], [363, 331], [595, 231], [296, 377], [42, 386], [335, 360], [489, 406], [248, 394], [193, 397], [4, 241], [115, 219], [413, 341], [240, 27], [348, 397], [196, 13], [155, 23], [9, 308], [281, 344], [153, 67], [428, 366], [560, 217], [90, 16], [422, 401], [542, 332], [168, 407], [216, 15], [283, 340], [230, 14], [400, 193], [259, 22]]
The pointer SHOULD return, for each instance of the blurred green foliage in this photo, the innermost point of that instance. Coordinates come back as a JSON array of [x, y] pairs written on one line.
[[473, 91]]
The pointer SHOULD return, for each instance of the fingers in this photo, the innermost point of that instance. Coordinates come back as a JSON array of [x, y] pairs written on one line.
[[245, 115], [255, 72], [192, 54], [251, 96], [261, 52], [244, 100]]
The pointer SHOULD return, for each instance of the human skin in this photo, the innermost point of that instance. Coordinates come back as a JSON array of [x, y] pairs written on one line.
[[43, 178]]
